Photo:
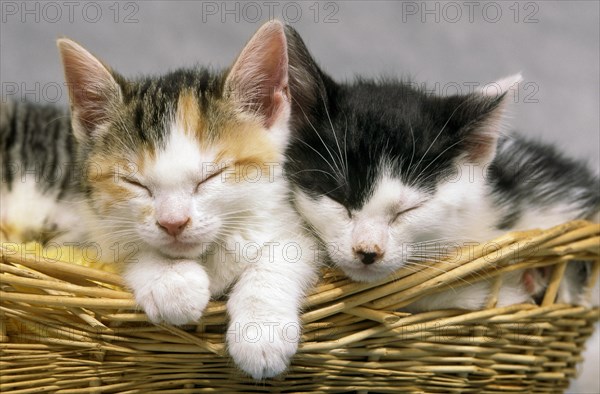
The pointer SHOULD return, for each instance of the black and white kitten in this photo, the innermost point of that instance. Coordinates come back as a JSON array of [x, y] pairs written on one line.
[[387, 174]]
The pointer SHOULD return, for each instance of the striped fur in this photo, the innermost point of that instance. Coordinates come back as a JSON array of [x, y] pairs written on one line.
[[40, 180]]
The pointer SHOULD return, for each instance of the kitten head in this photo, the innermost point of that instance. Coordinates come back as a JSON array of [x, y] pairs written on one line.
[[179, 161], [380, 166]]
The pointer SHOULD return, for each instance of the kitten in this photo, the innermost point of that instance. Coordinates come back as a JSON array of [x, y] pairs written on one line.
[[187, 168], [39, 180], [385, 172]]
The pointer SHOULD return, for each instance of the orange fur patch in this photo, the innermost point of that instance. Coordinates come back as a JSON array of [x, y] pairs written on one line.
[[240, 140], [252, 154], [190, 118], [105, 174]]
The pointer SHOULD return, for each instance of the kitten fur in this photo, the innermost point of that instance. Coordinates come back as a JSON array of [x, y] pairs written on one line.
[[39, 188], [184, 170], [389, 175]]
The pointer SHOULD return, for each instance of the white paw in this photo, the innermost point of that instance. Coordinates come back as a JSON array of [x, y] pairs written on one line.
[[263, 349], [175, 293]]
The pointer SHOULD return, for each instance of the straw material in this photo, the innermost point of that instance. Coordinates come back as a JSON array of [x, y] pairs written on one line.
[[67, 328]]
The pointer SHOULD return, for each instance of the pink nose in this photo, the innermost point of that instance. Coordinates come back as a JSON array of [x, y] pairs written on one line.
[[173, 227]]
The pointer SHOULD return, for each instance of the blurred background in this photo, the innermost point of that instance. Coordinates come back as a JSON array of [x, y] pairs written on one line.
[[450, 46]]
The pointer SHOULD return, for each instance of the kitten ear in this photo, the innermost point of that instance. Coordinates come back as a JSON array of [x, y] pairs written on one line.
[[307, 81], [92, 88], [258, 80], [483, 116], [502, 86]]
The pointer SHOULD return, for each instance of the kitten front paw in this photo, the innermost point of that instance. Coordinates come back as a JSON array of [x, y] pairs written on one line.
[[263, 349], [174, 293]]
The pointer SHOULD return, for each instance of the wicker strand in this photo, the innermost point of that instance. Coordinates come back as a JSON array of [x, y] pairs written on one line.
[[66, 328]]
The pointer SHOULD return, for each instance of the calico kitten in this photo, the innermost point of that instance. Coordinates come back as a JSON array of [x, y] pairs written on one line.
[[187, 168], [39, 179], [386, 174]]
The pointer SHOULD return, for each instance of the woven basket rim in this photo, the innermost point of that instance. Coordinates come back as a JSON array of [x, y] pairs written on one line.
[[70, 328]]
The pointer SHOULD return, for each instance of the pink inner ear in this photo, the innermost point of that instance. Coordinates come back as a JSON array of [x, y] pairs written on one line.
[[482, 149], [483, 141], [277, 105], [92, 87], [259, 78], [90, 100]]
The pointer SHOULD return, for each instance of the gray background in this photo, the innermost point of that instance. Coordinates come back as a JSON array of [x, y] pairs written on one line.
[[554, 44], [557, 52]]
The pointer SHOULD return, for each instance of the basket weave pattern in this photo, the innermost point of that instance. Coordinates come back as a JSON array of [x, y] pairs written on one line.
[[71, 329]]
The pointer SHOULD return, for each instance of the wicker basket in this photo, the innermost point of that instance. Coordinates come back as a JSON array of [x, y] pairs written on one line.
[[71, 329]]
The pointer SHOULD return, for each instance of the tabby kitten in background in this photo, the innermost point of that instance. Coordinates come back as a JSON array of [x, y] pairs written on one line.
[[39, 188], [388, 175], [187, 167]]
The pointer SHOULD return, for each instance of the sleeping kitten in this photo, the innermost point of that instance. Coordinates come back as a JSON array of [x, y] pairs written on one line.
[[186, 168], [386, 174], [39, 190]]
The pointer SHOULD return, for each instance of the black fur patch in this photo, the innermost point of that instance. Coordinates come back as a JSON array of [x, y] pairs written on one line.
[[343, 132], [347, 131]]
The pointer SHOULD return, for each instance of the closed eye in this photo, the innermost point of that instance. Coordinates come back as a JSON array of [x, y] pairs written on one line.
[[211, 176], [137, 184], [342, 205], [404, 212]]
